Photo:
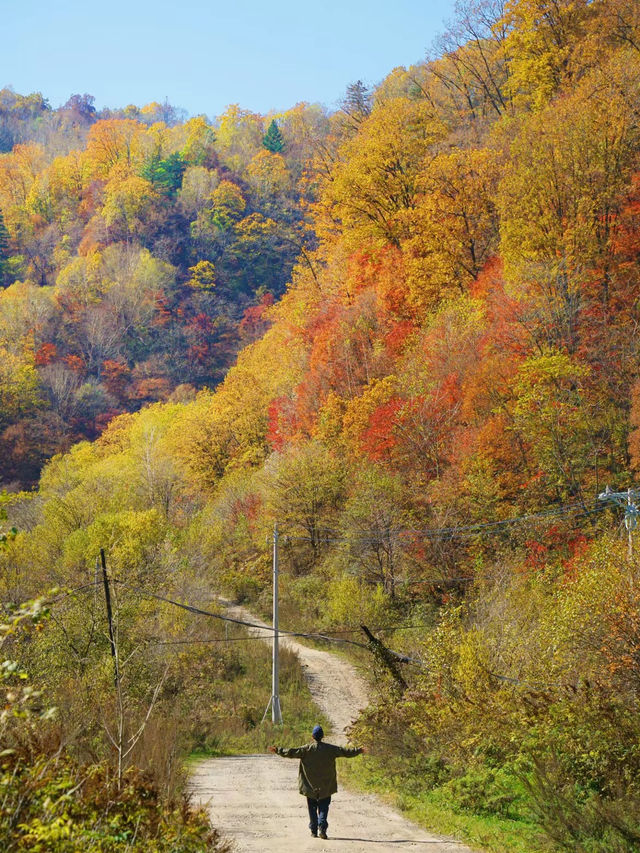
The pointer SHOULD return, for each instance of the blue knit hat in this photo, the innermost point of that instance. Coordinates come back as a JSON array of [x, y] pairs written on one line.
[[317, 733]]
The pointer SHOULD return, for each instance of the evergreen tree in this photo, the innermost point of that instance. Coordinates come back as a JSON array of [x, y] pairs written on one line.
[[357, 101], [165, 174], [272, 139]]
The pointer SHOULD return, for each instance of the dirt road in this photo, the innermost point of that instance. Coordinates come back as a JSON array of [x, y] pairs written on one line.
[[254, 800]]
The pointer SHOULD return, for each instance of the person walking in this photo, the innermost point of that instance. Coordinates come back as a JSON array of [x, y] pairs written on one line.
[[317, 779]]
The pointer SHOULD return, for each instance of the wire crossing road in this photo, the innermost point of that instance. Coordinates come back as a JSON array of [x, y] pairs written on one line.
[[254, 799]]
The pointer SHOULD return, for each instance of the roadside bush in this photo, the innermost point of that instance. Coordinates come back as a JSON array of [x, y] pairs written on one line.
[[584, 778], [53, 802], [350, 599], [484, 791], [50, 803], [579, 822]]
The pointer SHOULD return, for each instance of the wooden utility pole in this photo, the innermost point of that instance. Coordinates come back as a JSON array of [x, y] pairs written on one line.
[[631, 521], [387, 658], [112, 639]]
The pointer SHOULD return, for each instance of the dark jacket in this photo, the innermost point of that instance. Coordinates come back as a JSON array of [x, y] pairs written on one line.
[[317, 771]]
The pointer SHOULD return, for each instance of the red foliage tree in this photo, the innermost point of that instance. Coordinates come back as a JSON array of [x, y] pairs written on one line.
[[115, 375], [45, 354], [254, 321]]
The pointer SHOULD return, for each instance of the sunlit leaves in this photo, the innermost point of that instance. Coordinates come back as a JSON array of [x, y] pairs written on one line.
[[377, 177], [268, 174], [198, 184], [202, 276], [304, 486], [199, 147], [128, 201], [453, 227], [239, 136], [20, 390], [541, 37], [114, 142], [553, 414]]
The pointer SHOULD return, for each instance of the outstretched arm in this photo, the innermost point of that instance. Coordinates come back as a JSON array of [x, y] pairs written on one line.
[[292, 752], [346, 752]]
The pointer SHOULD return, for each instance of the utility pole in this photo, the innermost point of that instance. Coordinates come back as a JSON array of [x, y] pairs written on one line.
[[112, 639], [274, 702], [388, 659], [631, 511]]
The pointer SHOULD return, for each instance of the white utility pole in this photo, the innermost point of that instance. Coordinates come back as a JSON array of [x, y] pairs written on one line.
[[630, 520], [631, 511], [274, 702]]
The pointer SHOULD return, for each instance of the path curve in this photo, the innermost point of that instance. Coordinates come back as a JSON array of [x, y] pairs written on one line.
[[254, 800]]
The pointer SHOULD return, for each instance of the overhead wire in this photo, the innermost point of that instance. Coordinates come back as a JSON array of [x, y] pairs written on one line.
[[67, 593], [246, 624], [323, 635], [468, 530], [61, 596], [267, 628], [433, 533], [464, 530]]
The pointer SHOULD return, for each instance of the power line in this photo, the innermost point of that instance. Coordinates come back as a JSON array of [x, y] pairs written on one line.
[[154, 641], [85, 587], [464, 530], [201, 612], [265, 628], [432, 533], [306, 635], [325, 634], [380, 628]]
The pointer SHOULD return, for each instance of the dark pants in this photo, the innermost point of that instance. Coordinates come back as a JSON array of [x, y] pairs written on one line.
[[318, 813]]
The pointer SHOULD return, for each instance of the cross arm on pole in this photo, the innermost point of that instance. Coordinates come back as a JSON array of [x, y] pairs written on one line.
[[628, 500]]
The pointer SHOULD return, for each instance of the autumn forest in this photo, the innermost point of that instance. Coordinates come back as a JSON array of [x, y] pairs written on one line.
[[406, 332]]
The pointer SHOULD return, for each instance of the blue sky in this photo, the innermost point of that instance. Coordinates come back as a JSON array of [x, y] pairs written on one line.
[[204, 55]]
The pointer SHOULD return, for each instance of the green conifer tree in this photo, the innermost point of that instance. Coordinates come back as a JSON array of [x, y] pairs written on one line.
[[165, 174], [273, 140]]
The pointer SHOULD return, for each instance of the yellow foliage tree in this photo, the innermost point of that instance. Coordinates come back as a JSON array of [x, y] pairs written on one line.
[[453, 227], [18, 172], [203, 276], [268, 175], [356, 417], [19, 386], [128, 200], [113, 142], [376, 178], [541, 37], [239, 136], [560, 192]]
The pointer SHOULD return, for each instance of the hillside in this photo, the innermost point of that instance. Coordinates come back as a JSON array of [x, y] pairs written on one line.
[[428, 412], [138, 253]]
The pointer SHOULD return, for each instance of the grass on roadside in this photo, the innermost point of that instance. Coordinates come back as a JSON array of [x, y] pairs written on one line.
[[434, 811], [228, 720]]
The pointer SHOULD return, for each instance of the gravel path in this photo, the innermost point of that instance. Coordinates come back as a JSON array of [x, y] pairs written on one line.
[[254, 799]]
